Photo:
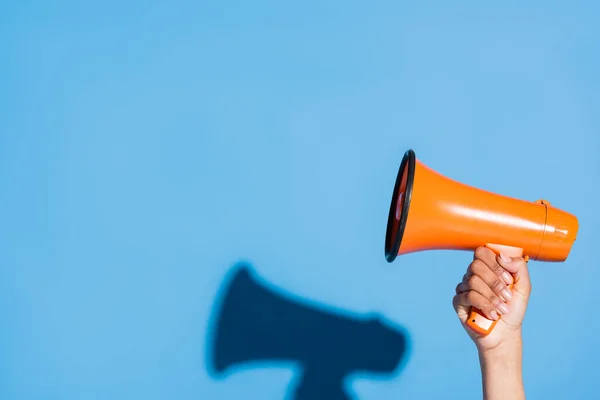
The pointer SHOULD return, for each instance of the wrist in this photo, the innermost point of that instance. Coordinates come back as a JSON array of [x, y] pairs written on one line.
[[508, 355], [509, 345]]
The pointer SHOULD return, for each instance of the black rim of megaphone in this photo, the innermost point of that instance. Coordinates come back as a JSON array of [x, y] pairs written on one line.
[[391, 249]]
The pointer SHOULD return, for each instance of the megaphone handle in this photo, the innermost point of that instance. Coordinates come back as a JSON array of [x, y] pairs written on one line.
[[477, 320]]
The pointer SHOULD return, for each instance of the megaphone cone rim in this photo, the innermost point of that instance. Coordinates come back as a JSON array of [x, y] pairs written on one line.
[[393, 239]]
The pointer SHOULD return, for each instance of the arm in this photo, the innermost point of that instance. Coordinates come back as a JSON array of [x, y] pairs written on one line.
[[484, 286], [501, 371]]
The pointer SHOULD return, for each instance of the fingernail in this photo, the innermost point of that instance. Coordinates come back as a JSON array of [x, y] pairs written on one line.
[[507, 278], [506, 294], [494, 315], [505, 258], [502, 308]]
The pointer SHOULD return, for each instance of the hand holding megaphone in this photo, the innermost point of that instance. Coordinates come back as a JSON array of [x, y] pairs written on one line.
[[495, 285]]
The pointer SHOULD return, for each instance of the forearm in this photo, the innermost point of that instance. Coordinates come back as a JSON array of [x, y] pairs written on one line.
[[502, 372]]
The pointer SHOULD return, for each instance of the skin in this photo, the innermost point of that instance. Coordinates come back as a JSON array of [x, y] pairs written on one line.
[[484, 286]]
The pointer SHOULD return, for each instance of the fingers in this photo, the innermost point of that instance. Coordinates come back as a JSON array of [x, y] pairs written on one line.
[[497, 280], [486, 282], [485, 291], [519, 269], [472, 298], [491, 260], [506, 266]]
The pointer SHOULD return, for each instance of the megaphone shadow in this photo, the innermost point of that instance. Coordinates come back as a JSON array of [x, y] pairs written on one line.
[[255, 325]]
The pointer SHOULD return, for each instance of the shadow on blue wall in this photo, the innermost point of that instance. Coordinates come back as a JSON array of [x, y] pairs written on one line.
[[255, 324]]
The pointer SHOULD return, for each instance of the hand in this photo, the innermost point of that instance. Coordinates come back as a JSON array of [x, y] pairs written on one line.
[[485, 286]]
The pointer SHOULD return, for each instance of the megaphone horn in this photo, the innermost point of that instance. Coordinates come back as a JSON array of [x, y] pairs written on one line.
[[429, 211]]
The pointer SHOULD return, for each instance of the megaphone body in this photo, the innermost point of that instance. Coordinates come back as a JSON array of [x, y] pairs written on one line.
[[430, 211]]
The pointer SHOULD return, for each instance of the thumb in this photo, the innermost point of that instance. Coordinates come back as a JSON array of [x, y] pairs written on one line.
[[518, 267]]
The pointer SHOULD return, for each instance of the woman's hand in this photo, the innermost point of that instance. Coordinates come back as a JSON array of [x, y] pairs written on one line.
[[485, 286]]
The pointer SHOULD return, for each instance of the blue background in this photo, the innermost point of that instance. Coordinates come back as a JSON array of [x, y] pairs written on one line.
[[146, 147]]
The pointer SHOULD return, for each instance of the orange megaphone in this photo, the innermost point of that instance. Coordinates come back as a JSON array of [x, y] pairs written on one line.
[[429, 211]]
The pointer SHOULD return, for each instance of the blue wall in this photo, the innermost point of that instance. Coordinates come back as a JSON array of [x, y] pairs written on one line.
[[149, 150]]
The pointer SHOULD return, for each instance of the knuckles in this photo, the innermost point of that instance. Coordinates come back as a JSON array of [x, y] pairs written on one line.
[[481, 252], [471, 297], [473, 280], [477, 265]]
